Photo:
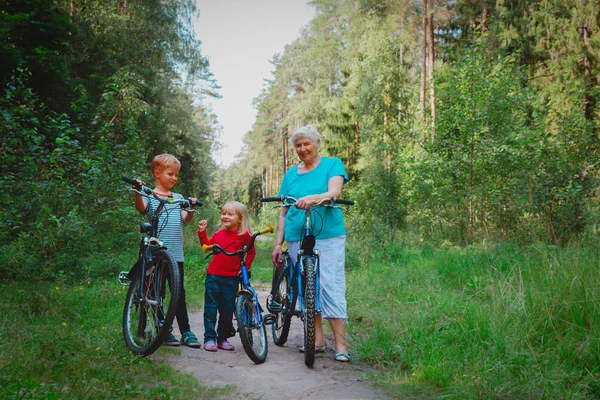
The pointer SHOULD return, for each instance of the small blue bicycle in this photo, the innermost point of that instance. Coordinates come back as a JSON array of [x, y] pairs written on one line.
[[250, 321], [295, 285]]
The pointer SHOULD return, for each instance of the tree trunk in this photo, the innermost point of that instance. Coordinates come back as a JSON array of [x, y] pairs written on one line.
[[484, 20], [424, 61], [284, 150], [262, 186], [270, 179], [286, 145], [356, 138], [468, 199], [386, 124], [431, 83], [589, 100], [276, 171]]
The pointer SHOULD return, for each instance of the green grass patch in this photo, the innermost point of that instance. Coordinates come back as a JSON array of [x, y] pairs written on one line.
[[502, 322], [64, 340]]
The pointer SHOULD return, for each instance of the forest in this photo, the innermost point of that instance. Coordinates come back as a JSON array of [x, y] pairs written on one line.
[[459, 122], [466, 126]]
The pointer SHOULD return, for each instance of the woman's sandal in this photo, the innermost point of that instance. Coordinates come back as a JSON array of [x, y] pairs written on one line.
[[318, 349], [342, 357]]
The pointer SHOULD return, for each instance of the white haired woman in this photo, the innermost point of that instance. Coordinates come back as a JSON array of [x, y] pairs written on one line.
[[315, 178]]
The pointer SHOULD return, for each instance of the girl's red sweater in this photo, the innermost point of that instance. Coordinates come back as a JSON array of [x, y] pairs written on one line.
[[221, 264]]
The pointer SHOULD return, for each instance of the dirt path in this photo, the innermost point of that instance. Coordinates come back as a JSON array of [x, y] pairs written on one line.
[[282, 376]]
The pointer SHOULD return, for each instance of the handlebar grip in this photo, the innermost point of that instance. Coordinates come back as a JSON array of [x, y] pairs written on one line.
[[132, 182], [268, 229], [196, 203], [207, 248], [129, 180], [342, 201], [276, 198]]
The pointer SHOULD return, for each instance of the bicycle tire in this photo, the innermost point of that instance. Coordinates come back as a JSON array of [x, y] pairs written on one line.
[[281, 328], [252, 334], [310, 303], [146, 323]]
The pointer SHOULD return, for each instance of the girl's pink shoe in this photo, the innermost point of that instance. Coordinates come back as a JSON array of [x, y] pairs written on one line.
[[210, 346], [225, 345]]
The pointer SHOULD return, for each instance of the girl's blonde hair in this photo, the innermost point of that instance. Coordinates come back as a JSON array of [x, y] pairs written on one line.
[[242, 213]]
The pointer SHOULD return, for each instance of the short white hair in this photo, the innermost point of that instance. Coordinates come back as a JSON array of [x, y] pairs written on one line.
[[309, 132]]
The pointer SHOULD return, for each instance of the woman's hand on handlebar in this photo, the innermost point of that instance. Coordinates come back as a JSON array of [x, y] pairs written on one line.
[[307, 201], [277, 256]]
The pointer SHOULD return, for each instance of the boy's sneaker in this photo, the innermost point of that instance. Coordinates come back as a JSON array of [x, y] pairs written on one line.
[[189, 339], [273, 306], [171, 340]]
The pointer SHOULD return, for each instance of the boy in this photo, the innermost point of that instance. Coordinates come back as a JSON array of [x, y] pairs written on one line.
[[165, 168]]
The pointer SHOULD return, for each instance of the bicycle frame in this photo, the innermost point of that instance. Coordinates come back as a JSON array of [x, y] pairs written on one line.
[[296, 288], [148, 243], [244, 286], [154, 281], [248, 311], [306, 250]]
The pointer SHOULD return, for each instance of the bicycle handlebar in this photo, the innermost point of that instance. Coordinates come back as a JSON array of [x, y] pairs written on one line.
[[210, 248], [276, 198], [291, 200], [146, 191], [342, 201]]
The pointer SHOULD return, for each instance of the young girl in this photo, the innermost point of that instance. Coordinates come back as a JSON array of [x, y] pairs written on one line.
[[221, 284]]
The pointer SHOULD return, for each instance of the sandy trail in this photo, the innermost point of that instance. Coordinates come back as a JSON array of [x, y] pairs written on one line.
[[282, 376]]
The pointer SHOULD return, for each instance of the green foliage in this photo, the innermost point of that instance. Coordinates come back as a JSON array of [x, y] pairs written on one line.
[[484, 138], [510, 153], [91, 92]]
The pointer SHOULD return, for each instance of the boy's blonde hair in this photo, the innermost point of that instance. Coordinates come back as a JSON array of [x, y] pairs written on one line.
[[162, 161], [242, 213]]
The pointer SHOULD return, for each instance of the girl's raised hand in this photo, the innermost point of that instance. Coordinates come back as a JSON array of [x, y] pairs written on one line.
[[202, 225]]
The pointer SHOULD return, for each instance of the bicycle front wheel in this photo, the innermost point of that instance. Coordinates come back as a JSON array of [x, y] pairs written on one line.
[[150, 306], [252, 334], [310, 303], [281, 327]]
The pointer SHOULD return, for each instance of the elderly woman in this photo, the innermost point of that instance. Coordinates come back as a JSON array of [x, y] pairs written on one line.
[[315, 178]]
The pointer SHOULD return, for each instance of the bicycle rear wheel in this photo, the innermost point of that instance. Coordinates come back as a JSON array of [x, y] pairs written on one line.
[[310, 303], [252, 334], [281, 328], [149, 310]]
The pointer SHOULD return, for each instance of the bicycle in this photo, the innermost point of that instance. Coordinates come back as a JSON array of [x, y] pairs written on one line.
[[294, 291], [248, 313], [154, 282]]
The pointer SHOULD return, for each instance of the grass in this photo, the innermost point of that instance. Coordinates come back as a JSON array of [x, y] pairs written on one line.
[[495, 323], [64, 340], [502, 322]]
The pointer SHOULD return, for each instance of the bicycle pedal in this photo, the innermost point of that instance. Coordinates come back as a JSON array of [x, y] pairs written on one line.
[[269, 319], [123, 279]]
